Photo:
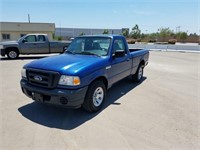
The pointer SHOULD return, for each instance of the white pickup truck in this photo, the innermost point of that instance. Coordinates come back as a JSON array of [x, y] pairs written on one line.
[[32, 44]]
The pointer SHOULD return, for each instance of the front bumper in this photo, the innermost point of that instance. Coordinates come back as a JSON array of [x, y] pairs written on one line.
[[2, 52], [57, 96]]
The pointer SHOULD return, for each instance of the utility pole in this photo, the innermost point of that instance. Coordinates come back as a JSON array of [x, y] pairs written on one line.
[[29, 18], [178, 29]]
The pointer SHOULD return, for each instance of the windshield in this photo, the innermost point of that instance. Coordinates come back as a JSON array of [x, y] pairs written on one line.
[[21, 38], [90, 46]]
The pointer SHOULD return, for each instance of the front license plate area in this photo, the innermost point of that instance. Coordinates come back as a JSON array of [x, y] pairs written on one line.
[[37, 97]]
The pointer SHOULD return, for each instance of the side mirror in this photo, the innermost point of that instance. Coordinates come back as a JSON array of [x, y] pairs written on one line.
[[119, 53], [24, 41]]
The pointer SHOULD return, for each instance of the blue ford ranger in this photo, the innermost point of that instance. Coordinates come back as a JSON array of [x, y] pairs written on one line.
[[82, 75]]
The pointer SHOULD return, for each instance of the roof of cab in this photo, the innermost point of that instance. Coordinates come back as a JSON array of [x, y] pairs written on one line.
[[36, 34], [103, 35]]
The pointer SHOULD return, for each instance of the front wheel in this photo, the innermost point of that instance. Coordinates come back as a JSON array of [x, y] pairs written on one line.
[[95, 96], [12, 54], [137, 77]]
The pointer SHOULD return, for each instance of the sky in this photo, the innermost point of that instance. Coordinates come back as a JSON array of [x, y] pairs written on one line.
[[150, 15]]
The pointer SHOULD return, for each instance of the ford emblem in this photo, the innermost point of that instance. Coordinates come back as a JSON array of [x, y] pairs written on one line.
[[38, 78]]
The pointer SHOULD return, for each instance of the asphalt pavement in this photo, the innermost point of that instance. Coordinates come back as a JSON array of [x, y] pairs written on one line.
[[160, 113]]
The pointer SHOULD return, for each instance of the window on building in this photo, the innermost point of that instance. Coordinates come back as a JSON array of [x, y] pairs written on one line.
[[6, 36]]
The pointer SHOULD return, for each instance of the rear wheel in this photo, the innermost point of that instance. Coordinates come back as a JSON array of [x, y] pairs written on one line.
[[12, 54], [95, 96], [137, 77]]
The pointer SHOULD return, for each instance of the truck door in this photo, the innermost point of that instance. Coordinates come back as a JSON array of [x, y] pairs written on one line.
[[120, 66], [32, 44]]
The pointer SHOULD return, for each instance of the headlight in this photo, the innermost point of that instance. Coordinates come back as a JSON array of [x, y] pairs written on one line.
[[23, 73], [69, 80]]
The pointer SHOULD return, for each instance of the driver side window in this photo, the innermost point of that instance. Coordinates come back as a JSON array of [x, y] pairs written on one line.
[[30, 38]]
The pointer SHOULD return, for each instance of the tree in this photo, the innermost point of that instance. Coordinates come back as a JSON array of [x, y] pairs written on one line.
[[105, 31], [153, 36], [143, 36], [165, 32], [193, 34], [182, 36], [125, 33], [135, 33]]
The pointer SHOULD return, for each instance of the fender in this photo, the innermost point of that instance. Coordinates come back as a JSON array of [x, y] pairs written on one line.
[[87, 80]]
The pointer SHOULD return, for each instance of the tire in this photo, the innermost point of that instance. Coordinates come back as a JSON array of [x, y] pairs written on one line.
[[12, 54], [95, 96], [137, 77]]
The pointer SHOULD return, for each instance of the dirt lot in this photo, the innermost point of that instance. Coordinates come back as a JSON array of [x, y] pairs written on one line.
[[163, 112]]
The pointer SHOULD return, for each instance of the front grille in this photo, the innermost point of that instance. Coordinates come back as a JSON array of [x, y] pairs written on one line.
[[47, 79]]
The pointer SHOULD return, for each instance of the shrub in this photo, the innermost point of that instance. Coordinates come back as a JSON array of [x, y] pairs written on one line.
[[131, 41], [172, 41], [152, 40], [59, 38]]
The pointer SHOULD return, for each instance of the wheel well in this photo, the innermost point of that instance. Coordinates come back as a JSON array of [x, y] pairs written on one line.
[[102, 78], [12, 48], [142, 63]]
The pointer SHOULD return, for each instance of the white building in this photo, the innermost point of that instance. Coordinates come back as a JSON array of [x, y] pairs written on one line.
[[15, 30]]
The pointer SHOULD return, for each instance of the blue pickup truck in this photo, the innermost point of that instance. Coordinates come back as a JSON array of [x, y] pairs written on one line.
[[82, 75]]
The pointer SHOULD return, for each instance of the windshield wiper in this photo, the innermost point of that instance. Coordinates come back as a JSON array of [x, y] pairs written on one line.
[[87, 53]]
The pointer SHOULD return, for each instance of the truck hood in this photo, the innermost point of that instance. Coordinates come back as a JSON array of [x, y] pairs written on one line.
[[9, 43], [69, 64]]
